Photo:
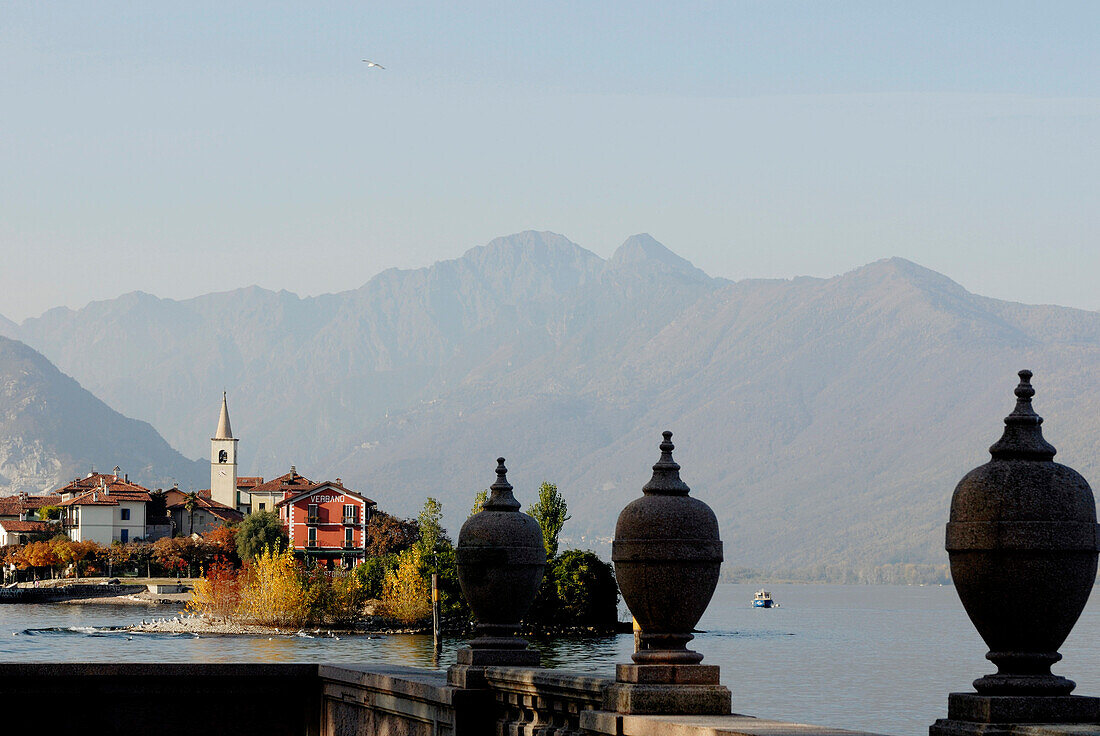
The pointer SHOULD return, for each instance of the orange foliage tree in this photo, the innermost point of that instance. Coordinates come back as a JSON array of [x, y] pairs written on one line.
[[218, 592]]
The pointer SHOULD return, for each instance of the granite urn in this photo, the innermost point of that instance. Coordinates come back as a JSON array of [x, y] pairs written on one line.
[[501, 559], [667, 556], [1022, 543]]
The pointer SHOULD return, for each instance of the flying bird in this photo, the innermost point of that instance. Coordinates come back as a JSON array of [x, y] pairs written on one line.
[[370, 63]]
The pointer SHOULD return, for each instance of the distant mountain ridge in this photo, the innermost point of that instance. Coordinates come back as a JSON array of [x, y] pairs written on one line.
[[7, 327], [52, 430], [825, 420]]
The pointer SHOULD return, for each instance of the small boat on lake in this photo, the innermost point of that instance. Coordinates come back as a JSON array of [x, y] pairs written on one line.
[[763, 599]]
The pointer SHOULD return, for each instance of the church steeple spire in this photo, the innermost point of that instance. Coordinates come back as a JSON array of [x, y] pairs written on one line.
[[225, 432], [223, 462]]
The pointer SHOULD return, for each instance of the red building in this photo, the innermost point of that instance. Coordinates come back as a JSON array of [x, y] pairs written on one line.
[[327, 522]]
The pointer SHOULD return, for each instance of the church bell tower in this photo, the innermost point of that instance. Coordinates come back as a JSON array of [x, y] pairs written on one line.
[[223, 461]]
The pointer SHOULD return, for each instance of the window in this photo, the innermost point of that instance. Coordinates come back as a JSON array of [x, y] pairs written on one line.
[[312, 514], [350, 515], [348, 532], [223, 456], [124, 536], [125, 514], [312, 537], [263, 506]]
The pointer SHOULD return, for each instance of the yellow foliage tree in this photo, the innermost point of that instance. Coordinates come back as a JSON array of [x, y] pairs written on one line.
[[406, 594], [272, 590]]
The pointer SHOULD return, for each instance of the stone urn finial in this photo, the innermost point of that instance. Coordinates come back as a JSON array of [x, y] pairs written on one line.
[[667, 556], [1022, 542], [501, 559]]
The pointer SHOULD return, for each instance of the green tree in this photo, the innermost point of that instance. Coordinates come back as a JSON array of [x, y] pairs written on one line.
[[49, 513], [260, 530], [551, 512], [157, 508], [587, 593], [430, 523], [479, 502], [372, 574]]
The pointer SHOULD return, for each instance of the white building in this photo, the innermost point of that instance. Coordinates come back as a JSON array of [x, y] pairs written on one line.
[[113, 510]]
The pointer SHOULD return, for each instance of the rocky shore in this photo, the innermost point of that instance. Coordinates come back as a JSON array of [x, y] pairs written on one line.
[[144, 598]]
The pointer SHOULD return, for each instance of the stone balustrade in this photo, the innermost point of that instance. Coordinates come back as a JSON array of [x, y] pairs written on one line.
[[539, 702]]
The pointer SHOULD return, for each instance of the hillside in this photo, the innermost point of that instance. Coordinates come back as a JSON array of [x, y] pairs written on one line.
[[52, 430], [825, 420]]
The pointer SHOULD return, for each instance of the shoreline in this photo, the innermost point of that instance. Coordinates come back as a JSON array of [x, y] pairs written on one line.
[[200, 624], [131, 599]]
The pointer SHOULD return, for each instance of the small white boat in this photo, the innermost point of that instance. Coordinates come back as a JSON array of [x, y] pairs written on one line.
[[763, 599]]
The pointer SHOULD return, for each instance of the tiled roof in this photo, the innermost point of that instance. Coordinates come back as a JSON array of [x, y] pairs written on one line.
[[112, 497], [96, 480], [15, 505], [25, 526], [220, 510], [249, 481], [292, 482], [92, 498], [336, 485]]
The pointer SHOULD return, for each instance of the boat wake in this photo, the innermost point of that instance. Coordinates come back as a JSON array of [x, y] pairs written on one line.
[[77, 630]]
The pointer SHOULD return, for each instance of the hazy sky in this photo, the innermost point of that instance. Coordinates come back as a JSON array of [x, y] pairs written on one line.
[[182, 148]]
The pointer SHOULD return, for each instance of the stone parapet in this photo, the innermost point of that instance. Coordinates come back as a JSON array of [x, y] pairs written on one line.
[[614, 724], [539, 701], [357, 699], [56, 593]]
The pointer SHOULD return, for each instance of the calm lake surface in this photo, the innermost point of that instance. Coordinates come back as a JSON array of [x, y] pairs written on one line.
[[874, 658]]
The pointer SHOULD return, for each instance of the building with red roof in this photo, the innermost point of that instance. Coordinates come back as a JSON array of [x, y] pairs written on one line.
[[104, 508], [25, 506], [327, 523], [21, 532], [206, 515], [265, 496]]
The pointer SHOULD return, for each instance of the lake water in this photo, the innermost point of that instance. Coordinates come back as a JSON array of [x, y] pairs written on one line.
[[875, 658]]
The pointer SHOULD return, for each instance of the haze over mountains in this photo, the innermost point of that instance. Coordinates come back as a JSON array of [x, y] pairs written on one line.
[[52, 430], [825, 420]]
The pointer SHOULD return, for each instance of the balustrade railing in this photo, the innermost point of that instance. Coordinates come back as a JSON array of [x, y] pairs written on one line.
[[540, 702]]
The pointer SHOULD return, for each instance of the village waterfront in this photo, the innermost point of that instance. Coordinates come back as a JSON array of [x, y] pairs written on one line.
[[880, 658]]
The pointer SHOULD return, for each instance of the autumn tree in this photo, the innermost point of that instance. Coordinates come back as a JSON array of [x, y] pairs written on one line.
[[551, 512], [141, 554], [223, 539], [406, 595], [173, 554], [479, 501], [114, 555], [387, 534]]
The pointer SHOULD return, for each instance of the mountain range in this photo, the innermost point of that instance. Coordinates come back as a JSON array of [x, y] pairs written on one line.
[[825, 420], [52, 430]]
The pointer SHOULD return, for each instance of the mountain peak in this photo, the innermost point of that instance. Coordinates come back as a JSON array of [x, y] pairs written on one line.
[[530, 243], [644, 251], [897, 268]]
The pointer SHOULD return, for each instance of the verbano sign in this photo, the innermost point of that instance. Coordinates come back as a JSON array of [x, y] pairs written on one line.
[[325, 499]]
